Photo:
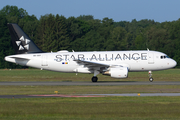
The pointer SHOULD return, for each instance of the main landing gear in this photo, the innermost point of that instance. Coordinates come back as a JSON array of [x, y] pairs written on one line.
[[150, 76], [94, 78]]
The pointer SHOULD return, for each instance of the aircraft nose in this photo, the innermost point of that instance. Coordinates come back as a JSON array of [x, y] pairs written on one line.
[[173, 63]]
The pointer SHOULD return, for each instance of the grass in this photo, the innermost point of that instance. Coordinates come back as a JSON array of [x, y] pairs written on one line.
[[146, 108], [43, 75]]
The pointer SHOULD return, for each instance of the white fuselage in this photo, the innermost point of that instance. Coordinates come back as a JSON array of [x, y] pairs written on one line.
[[64, 61]]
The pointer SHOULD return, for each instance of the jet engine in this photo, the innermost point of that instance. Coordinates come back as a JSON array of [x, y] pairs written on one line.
[[118, 72]]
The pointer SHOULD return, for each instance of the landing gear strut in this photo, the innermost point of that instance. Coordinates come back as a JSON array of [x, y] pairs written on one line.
[[94, 79], [150, 76]]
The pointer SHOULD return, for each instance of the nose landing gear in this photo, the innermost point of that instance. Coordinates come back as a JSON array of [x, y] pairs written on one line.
[[150, 76]]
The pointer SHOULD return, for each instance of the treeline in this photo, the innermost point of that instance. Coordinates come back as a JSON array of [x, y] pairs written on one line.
[[84, 33]]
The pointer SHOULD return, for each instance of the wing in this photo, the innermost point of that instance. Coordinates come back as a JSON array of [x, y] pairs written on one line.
[[91, 64]]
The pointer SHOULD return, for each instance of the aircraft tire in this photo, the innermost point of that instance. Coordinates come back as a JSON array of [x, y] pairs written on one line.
[[94, 79], [151, 79]]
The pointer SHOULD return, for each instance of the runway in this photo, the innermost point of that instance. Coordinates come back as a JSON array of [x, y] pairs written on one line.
[[89, 95], [99, 83], [46, 96]]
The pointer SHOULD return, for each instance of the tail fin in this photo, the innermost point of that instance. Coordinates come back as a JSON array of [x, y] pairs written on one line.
[[21, 42]]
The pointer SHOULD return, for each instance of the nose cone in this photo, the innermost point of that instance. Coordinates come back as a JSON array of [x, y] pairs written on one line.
[[173, 63]]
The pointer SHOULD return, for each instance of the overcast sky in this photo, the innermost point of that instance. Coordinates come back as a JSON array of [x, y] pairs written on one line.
[[118, 10]]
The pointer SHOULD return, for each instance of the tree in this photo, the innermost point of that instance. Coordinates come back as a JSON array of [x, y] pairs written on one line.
[[140, 42], [52, 33], [5, 43], [13, 14], [157, 38], [117, 40], [61, 35], [85, 17]]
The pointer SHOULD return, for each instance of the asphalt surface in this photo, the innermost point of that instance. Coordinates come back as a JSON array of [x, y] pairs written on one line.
[[140, 94], [100, 83], [90, 95], [42, 96]]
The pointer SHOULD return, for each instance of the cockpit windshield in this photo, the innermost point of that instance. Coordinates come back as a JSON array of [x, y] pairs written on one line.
[[164, 56]]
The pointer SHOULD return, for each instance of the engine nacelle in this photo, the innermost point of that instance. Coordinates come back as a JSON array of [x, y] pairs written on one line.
[[118, 72]]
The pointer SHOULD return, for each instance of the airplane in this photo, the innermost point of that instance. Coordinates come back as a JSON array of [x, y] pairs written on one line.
[[116, 64]]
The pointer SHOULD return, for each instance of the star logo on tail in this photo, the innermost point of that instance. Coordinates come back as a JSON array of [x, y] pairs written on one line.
[[25, 41]]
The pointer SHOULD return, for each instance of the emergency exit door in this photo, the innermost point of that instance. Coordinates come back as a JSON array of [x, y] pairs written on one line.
[[44, 60]]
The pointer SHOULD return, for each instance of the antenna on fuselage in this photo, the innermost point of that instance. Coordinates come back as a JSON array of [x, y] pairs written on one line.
[[147, 49]]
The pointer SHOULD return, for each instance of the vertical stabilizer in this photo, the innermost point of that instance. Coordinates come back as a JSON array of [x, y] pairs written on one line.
[[21, 42]]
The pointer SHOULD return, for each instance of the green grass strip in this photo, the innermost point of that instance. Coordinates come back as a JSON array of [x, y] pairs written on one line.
[[146, 108]]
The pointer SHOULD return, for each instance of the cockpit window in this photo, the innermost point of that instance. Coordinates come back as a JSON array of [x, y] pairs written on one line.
[[163, 57]]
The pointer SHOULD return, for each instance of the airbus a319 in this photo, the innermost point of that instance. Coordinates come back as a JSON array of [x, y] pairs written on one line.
[[116, 64]]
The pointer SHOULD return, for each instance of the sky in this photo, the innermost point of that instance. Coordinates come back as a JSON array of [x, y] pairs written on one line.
[[118, 10]]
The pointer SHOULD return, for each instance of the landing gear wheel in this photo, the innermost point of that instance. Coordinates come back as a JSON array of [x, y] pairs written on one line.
[[94, 79], [150, 79]]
